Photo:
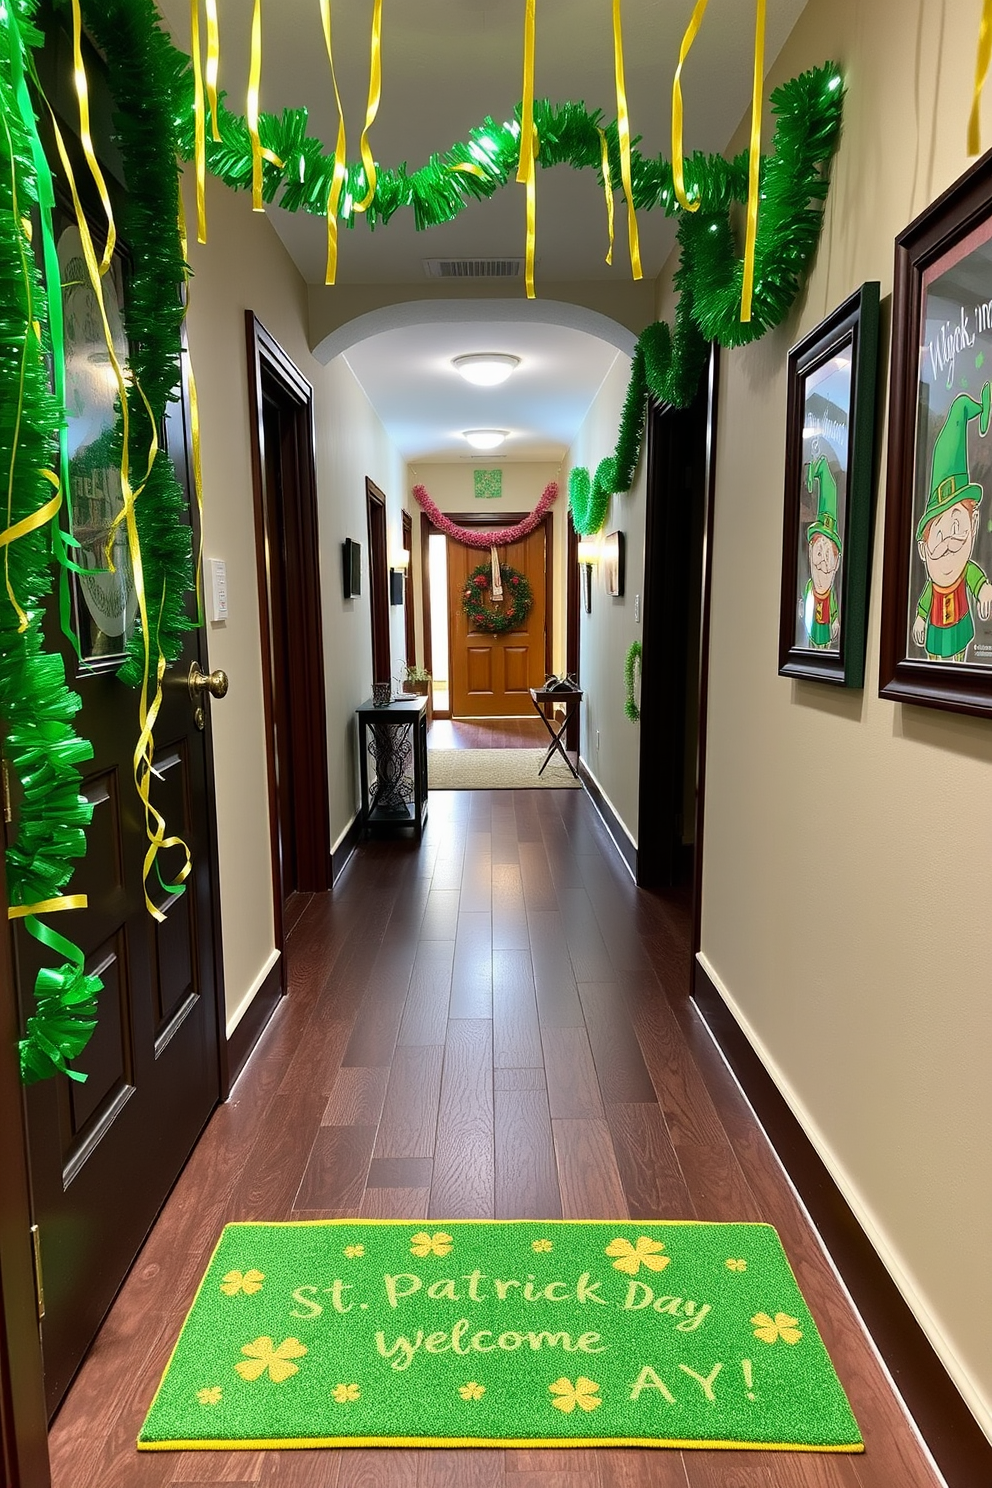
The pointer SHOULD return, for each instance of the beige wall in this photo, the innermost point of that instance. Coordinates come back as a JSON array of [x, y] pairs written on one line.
[[609, 742], [847, 849], [351, 444], [244, 265]]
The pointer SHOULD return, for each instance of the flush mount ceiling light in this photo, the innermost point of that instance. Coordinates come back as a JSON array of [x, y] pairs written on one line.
[[485, 439], [486, 368]]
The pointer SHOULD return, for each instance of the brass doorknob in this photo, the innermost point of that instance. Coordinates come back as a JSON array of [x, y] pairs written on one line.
[[199, 682]]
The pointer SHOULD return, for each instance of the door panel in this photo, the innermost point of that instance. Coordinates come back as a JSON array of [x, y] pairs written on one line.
[[479, 670], [516, 669], [491, 674]]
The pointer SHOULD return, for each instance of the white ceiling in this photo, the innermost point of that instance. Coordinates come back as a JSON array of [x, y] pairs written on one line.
[[426, 404], [446, 65]]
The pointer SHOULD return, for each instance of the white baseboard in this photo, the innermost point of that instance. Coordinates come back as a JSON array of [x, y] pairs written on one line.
[[888, 1253]]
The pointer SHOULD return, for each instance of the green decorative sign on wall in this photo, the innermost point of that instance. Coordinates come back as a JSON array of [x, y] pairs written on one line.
[[488, 484]]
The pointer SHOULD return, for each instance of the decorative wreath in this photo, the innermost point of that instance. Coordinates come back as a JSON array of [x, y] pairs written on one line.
[[632, 680], [516, 588]]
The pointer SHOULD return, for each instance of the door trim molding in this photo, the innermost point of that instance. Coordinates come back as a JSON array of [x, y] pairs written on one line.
[[23, 1419], [712, 415], [377, 519], [312, 825], [572, 621]]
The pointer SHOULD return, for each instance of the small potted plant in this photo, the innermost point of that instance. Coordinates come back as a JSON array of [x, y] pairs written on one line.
[[416, 679]]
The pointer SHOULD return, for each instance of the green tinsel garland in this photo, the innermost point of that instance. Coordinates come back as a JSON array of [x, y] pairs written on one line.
[[41, 744], [145, 70], [632, 663], [667, 361], [667, 364]]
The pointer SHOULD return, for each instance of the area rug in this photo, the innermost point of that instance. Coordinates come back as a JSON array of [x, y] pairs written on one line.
[[496, 769], [510, 1333]]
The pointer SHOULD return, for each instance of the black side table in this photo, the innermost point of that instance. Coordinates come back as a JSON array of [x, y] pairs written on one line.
[[394, 741], [541, 697]]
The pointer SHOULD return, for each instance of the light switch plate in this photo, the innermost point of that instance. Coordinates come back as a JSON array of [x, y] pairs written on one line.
[[218, 588]]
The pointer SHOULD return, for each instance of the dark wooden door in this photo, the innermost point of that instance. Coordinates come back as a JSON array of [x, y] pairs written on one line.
[[104, 1154], [671, 678], [491, 675]]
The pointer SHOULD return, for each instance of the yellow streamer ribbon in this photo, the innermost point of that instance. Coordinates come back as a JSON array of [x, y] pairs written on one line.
[[48, 906], [608, 188], [340, 174], [199, 124], [469, 168], [678, 176], [754, 170], [83, 98], [251, 107], [29, 524], [981, 72], [529, 145], [213, 64], [375, 92], [623, 130], [144, 751]]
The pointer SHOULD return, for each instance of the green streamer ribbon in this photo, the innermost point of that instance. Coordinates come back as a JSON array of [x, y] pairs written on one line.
[[66, 1012]]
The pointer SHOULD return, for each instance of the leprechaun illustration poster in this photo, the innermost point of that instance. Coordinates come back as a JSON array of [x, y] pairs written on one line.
[[949, 604], [822, 505]]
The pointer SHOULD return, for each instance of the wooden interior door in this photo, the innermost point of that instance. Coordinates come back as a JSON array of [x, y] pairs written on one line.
[[105, 1153], [491, 675]]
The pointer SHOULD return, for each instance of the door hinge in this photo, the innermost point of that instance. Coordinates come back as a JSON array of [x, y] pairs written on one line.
[[39, 1284], [8, 811]]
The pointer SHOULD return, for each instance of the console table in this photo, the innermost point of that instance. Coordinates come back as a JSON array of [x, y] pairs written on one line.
[[570, 698], [392, 759]]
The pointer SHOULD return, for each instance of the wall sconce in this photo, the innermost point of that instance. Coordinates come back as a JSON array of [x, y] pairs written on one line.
[[588, 555], [397, 573]]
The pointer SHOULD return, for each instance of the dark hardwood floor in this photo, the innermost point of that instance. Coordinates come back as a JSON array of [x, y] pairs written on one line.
[[487, 733], [494, 1023]]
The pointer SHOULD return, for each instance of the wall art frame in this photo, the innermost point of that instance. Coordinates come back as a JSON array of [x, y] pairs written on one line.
[[936, 638], [829, 491]]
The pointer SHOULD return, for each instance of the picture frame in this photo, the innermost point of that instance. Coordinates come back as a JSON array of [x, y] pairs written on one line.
[[613, 564], [936, 634], [352, 562], [829, 488]]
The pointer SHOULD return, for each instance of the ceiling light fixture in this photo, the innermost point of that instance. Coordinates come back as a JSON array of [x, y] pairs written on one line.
[[485, 439], [486, 368]]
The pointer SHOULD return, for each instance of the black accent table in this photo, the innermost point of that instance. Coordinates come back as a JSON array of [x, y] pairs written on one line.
[[541, 697], [393, 740]]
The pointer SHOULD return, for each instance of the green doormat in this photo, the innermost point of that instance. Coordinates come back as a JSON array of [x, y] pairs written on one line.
[[500, 1333]]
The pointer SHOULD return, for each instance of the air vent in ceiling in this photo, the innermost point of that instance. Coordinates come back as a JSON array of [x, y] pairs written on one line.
[[473, 268]]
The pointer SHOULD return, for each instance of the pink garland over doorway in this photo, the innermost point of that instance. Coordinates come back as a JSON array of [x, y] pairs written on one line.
[[472, 537]]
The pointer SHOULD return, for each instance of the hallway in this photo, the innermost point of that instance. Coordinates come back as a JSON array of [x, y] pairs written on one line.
[[494, 1023]]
